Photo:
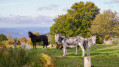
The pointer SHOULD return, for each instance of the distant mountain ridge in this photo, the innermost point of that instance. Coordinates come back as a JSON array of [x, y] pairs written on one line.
[[23, 32]]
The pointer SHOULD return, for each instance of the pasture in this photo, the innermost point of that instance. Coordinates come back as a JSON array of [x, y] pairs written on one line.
[[102, 55]]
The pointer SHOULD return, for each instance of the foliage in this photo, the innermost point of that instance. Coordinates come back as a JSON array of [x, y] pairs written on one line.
[[18, 42], [2, 43], [52, 41], [99, 39], [20, 59], [23, 39], [36, 33], [105, 23], [11, 42], [107, 37], [46, 60], [77, 21], [2, 37]]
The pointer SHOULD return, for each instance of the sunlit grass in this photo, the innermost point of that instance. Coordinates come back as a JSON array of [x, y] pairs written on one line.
[[102, 55]]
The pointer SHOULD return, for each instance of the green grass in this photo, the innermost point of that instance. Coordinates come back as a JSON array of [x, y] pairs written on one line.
[[101, 56]]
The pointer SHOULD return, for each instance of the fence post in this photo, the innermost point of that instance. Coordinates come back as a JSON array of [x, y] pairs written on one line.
[[87, 61]]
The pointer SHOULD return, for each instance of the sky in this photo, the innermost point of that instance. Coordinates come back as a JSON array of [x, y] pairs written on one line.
[[40, 13]]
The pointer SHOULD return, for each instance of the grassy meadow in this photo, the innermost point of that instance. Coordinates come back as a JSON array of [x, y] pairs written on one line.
[[102, 55]]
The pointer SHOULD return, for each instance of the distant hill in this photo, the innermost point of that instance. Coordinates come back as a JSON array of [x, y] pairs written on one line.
[[23, 32]]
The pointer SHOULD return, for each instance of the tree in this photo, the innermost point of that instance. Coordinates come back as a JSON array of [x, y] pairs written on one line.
[[105, 23], [23, 39], [36, 33], [77, 21], [9, 37], [2, 37]]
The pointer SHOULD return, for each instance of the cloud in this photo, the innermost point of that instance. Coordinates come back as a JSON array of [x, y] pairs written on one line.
[[11, 4], [112, 1], [116, 1], [118, 14], [49, 7], [26, 21]]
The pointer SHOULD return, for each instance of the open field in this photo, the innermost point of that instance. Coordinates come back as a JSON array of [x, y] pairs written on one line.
[[101, 56]]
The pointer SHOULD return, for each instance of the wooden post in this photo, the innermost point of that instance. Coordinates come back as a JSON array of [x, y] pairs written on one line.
[[87, 61]]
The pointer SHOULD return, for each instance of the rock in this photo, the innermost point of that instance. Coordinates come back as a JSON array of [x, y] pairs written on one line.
[[25, 46], [109, 42]]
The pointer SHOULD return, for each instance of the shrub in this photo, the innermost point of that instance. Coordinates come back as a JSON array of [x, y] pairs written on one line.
[[10, 42], [46, 60], [23, 39], [18, 42], [2, 37], [20, 59], [52, 41], [99, 39], [2, 43]]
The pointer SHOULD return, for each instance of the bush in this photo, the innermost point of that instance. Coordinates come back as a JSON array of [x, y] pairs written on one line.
[[52, 41], [99, 39], [2, 37], [46, 60], [20, 59], [18, 42], [23, 39], [10, 42], [2, 43]]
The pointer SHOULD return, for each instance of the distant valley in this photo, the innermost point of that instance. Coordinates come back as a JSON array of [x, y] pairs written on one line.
[[23, 32]]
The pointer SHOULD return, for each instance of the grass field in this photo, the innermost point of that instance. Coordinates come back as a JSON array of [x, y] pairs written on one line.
[[101, 56]]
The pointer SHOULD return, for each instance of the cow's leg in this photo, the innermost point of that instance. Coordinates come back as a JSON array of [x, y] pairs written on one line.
[[46, 46], [33, 45], [43, 47], [82, 48], [76, 50], [88, 51], [45, 43], [64, 51]]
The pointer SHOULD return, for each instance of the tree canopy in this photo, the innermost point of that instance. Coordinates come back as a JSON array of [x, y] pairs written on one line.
[[105, 23], [2, 37], [76, 21]]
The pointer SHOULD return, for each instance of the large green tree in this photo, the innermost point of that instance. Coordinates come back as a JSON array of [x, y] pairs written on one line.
[[76, 21], [106, 23]]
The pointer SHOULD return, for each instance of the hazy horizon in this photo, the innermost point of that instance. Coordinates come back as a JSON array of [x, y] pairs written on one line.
[[23, 31]]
